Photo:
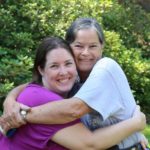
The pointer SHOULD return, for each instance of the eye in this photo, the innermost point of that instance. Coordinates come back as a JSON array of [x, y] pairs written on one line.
[[53, 66], [78, 46], [93, 46], [69, 63]]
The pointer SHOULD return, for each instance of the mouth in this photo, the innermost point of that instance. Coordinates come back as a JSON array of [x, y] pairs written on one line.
[[63, 80], [86, 60]]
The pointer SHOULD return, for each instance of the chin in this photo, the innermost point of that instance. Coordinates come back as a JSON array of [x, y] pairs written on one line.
[[87, 69], [65, 90]]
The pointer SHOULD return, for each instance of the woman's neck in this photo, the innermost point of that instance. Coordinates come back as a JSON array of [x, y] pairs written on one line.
[[64, 95], [83, 76]]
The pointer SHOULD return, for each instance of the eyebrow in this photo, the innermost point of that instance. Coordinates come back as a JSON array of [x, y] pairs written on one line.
[[82, 43], [70, 60], [57, 63], [77, 43]]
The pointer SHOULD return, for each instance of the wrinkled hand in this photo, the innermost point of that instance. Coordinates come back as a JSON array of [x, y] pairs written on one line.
[[139, 118], [11, 106], [11, 117], [4, 125], [143, 141]]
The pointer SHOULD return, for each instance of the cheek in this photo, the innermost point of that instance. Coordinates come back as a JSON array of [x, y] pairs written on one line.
[[73, 71], [76, 52], [98, 54], [49, 74]]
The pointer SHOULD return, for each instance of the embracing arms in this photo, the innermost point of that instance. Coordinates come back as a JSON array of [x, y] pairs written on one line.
[[68, 110], [10, 101], [77, 136], [63, 111]]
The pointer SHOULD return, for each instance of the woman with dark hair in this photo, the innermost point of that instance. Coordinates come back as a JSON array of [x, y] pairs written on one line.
[[52, 80], [101, 88]]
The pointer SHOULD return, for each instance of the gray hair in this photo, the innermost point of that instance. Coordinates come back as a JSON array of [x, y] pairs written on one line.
[[84, 23]]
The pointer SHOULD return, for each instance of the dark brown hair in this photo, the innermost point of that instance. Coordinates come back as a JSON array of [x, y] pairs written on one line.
[[46, 46]]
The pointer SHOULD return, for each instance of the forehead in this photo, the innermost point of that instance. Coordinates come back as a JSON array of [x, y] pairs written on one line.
[[87, 36], [58, 54]]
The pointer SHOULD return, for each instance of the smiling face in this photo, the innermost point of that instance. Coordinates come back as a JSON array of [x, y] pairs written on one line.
[[59, 72], [87, 50]]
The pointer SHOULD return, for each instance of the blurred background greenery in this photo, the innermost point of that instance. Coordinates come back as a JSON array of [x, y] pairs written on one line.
[[147, 133]]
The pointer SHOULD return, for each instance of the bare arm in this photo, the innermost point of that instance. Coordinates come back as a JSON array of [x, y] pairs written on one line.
[[63, 111], [12, 108], [10, 101], [74, 138], [78, 137], [71, 109]]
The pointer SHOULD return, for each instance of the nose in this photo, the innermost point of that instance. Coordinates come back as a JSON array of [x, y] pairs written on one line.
[[62, 70], [85, 51]]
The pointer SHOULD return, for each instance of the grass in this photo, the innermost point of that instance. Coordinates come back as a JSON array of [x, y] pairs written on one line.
[[147, 133]]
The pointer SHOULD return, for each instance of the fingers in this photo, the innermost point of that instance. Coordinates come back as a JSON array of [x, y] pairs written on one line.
[[143, 141], [2, 131], [15, 120], [11, 121], [13, 117], [143, 145], [12, 108], [7, 130], [139, 118], [3, 125]]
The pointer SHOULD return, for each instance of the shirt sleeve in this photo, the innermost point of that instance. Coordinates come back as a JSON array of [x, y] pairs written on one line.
[[100, 91]]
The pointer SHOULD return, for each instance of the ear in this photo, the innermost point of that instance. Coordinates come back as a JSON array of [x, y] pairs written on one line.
[[40, 70]]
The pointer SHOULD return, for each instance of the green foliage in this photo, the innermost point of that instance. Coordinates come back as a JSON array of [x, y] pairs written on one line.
[[147, 133], [132, 23], [15, 68], [24, 23]]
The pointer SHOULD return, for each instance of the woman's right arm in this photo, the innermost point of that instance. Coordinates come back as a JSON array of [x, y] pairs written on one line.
[[10, 101], [78, 137], [12, 107]]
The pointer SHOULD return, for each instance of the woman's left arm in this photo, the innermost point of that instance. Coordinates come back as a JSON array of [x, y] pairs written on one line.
[[78, 137]]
